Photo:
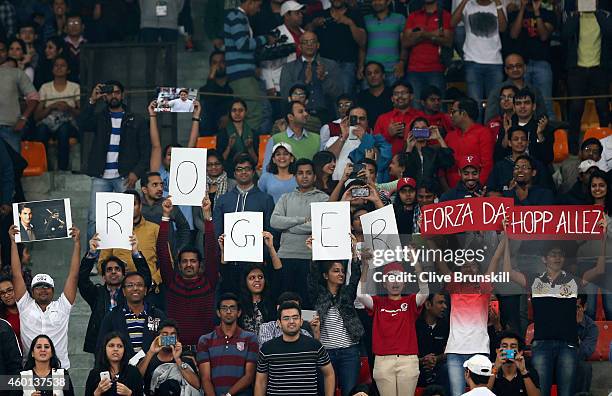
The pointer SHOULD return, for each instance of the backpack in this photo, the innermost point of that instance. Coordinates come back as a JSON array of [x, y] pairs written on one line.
[[167, 380]]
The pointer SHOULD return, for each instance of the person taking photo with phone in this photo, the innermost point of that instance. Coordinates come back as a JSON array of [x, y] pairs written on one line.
[[512, 374]]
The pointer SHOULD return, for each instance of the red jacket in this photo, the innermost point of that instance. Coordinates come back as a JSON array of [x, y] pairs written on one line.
[[384, 120], [478, 141]]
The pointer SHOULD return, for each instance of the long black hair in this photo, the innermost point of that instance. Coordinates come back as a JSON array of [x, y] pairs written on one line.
[[102, 362], [608, 199], [324, 267], [319, 160], [54, 362], [266, 305]]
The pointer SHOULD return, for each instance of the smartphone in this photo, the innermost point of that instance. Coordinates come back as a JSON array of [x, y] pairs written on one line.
[[356, 169], [421, 133], [353, 120], [106, 89], [167, 341], [308, 314], [510, 353], [105, 375], [46, 392], [403, 128], [360, 192]]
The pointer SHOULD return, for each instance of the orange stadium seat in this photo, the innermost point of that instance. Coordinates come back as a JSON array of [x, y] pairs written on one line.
[[560, 145], [590, 118], [602, 349], [263, 141], [597, 133], [207, 142], [36, 156]]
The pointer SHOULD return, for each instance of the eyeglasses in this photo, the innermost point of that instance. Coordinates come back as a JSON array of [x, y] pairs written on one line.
[[361, 118], [134, 285], [212, 164], [299, 94], [522, 167], [74, 23], [7, 291], [228, 308], [241, 169], [294, 318], [401, 93], [506, 97], [345, 105]]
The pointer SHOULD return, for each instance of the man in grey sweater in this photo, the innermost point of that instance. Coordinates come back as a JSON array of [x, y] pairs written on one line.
[[159, 20], [291, 216]]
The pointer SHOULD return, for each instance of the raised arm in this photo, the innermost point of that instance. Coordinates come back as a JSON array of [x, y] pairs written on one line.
[[70, 287], [18, 282], [364, 298], [164, 258], [515, 276], [499, 252], [156, 151], [86, 286], [600, 266], [195, 124], [211, 251]]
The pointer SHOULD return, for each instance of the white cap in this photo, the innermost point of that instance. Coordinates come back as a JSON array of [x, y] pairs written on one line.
[[586, 165], [285, 145], [42, 278], [479, 364], [290, 5]]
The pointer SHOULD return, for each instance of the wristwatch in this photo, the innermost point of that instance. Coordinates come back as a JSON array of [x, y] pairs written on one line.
[[184, 366]]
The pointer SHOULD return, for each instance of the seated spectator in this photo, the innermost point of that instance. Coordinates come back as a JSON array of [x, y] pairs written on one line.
[[428, 30], [74, 40], [102, 298], [590, 149], [39, 312], [227, 356], [42, 370], [368, 173], [396, 365], [112, 374], [238, 136], [514, 66], [258, 292], [384, 32], [215, 107], [167, 365], [513, 375], [340, 329], [8, 306], [477, 371], [392, 125], [502, 178], [469, 139], [427, 193], [54, 46], [376, 198], [29, 35], [432, 334], [376, 99], [10, 351], [58, 110], [431, 103], [324, 167], [320, 75], [17, 50], [405, 206], [579, 193], [304, 144], [523, 188], [159, 24], [343, 105], [398, 166], [501, 123], [587, 342], [272, 329], [299, 93], [424, 162], [135, 320], [540, 135], [279, 179]]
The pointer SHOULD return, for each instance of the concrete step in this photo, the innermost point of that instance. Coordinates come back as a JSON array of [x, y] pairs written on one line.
[[68, 181]]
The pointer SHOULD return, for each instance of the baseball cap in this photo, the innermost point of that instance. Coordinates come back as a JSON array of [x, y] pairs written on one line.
[[286, 145], [393, 267], [290, 5], [586, 165], [469, 160], [406, 181], [41, 279], [479, 364]]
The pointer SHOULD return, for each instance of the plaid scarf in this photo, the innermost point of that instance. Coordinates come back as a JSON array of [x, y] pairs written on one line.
[[221, 182]]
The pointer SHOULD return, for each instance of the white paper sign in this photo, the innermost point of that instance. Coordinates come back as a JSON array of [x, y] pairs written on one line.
[[114, 219], [187, 176], [243, 236], [331, 228], [380, 234]]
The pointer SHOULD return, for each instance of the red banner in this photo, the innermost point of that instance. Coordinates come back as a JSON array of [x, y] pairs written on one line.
[[471, 214], [555, 222]]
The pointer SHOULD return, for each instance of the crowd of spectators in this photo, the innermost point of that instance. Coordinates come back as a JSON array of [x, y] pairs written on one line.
[[352, 100]]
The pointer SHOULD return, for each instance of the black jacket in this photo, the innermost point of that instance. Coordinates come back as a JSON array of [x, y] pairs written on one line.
[[98, 297], [426, 170], [134, 146], [543, 152], [129, 376], [10, 354]]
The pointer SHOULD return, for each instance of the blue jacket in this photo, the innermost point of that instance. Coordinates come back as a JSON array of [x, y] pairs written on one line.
[[254, 200], [369, 141]]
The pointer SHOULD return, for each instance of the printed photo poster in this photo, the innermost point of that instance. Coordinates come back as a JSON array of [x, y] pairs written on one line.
[[331, 228], [187, 183], [243, 236], [175, 100], [114, 220], [42, 220]]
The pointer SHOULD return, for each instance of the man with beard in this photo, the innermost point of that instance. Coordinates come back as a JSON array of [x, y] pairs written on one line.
[[227, 356], [121, 145], [431, 102], [469, 184], [39, 313], [288, 364], [432, 334], [102, 298], [522, 187], [152, 187], [215, 107]]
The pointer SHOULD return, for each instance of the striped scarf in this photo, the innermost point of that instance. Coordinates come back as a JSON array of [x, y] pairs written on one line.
[[221, 182]]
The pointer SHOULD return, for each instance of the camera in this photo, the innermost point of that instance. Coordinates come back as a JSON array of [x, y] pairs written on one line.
[[166, 341], [421, 133], [280, 49], [353, 120], [510, 353], [106, 89], [360, 192]]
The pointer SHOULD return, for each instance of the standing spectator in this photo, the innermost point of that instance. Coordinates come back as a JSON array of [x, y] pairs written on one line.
[[10, 352], [343, 105], [190, 287], [587, 342], [58, 110], [268, 18], [213, 20], [279, 179], [469, 139], [8, 19], [477, 371], [38, 313], [343, 39], [484, 21], [102, 298], [427, 31], [240, 46], [291, 216], [432, 334], [424, 162], [54, 46], [531, 28], [215, 107], [43, 364], [431, 102], [8, 305], [227, 356], [469, 185], [320, 76], [514, 66], [159, 21], [588, 36], [56, 23], [74, 40], [384, 34], [288, 365], [120, 151], [376, 99], [393, 125], [396, 364], [512, 375], [238, 136], [112, 358]]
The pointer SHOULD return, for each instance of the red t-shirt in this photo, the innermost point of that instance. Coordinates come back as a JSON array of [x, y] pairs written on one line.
[[394, 331], [478, 141], [425, 56], [384, 120], [13, 320]]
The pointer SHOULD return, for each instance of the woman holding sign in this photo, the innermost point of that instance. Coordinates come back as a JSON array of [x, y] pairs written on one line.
[[237, 137]]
